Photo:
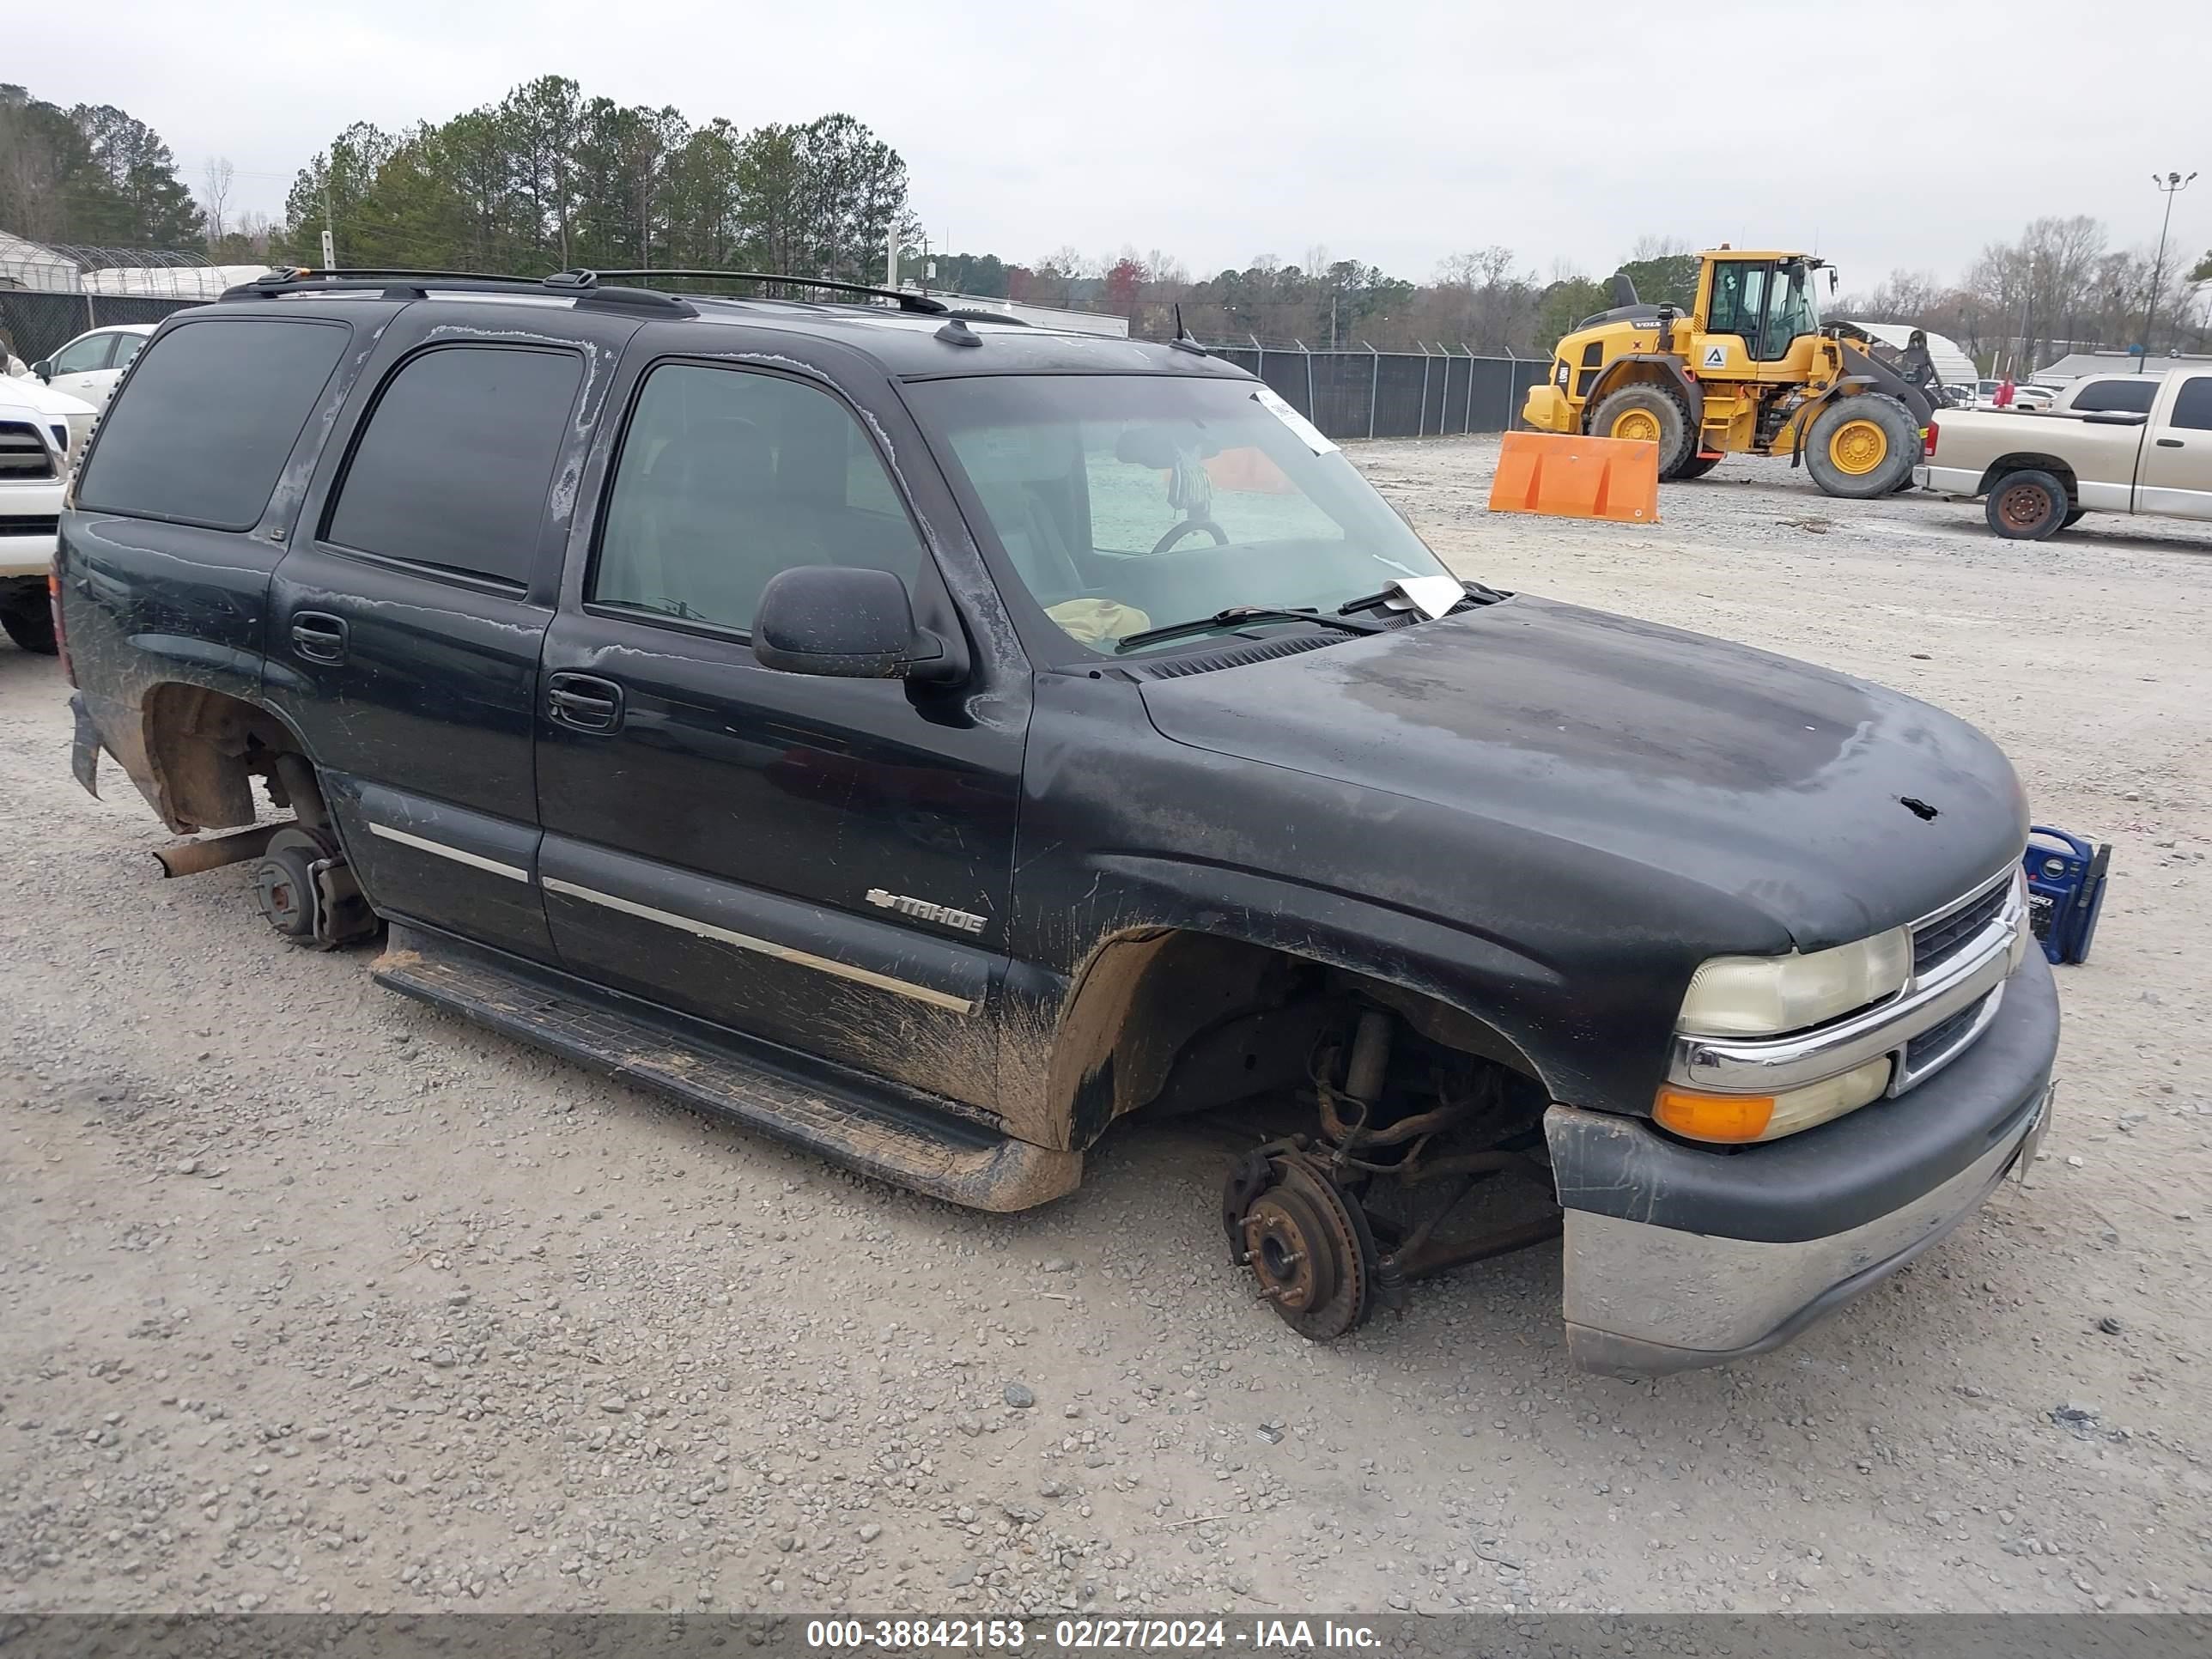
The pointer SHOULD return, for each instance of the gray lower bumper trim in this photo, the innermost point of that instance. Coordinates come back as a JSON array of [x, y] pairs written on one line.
[[1643, 1301]]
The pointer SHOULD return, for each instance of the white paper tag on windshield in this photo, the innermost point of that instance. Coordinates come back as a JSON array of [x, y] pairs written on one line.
[[1306, 432], [1432, 596]]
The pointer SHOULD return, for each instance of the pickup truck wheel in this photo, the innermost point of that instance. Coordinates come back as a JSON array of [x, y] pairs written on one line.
[[31, 625], [2074, 517], [1647, 414], [1862, 447], [2027, 506]]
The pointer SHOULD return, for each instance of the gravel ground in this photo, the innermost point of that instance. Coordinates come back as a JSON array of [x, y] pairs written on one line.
[[311, 1298]]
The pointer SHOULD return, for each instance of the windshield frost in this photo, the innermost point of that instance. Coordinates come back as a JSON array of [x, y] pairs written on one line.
[[1125, 503]]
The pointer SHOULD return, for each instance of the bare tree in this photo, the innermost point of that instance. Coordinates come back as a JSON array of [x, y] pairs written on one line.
[[215, 197]]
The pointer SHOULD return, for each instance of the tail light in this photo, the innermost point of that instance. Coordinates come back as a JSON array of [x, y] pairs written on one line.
[[54, 604], [1927, 439]]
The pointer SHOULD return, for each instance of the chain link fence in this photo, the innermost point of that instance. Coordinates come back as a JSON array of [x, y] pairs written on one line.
[[1393, 394], [51, 292]]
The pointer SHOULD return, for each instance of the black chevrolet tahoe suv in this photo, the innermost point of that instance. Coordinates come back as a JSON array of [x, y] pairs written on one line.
[[928, 739]]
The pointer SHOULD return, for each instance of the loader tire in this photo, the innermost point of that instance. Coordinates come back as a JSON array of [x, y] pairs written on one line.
[[1651, 414], [1862, 447], [1696, 467]]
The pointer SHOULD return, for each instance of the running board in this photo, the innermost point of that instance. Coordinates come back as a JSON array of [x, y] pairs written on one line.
[[896, 1139]]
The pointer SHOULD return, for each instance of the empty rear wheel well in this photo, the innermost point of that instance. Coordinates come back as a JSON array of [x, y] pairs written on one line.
[[2029, 461], [203, 750]]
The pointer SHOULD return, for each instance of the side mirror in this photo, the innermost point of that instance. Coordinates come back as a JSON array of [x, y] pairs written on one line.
[[43, 369], [854, 624], [1834, 280]]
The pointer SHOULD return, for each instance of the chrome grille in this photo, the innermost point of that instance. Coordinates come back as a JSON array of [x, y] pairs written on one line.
[[1932, 1046], [1941, 937], [23, 453]]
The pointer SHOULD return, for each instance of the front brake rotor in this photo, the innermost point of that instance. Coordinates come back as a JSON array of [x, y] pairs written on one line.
[[1309, 1247]]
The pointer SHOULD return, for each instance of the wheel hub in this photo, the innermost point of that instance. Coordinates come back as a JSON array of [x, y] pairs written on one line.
[[2023, 509], [1858, 448], [1290, 1252], [1306, 1243], [1638, 425]]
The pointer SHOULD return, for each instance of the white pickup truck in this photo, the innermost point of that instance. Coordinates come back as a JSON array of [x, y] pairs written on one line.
[[40, 432], [2043, 470]]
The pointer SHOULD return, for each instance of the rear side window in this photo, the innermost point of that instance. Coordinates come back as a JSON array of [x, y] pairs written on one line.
[[2130, 396], [2192, 404], [208, 420], [453, 467]]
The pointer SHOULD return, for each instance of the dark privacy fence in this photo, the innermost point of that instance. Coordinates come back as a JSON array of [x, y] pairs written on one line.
[[1395, 394], [40, 324], [1348, 394]]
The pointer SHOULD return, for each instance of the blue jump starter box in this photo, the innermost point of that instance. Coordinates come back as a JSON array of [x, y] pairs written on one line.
[[2065, 890]]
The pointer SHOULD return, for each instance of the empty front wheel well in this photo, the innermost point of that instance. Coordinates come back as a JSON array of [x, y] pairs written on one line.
[[203, 748], [1173, 1020]]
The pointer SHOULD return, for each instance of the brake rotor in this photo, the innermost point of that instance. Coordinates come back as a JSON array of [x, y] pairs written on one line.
[[1310, 1248]]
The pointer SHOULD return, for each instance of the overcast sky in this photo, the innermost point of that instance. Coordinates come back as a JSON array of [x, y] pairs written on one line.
[[1880, 134]]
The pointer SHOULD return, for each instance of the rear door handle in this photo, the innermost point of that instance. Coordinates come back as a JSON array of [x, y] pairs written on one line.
[[319, 636], [2171, 443], [584, 702]]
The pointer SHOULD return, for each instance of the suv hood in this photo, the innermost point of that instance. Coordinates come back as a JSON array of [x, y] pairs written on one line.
[[1778, 784]]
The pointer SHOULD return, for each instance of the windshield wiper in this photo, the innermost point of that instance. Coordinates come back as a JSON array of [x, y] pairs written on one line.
[[1236, 615], [1475, 593]]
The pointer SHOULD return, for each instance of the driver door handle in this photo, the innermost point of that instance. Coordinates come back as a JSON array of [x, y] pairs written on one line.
[[583, 702]]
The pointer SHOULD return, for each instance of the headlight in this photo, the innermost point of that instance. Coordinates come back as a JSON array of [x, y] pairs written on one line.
[[1764, 996]]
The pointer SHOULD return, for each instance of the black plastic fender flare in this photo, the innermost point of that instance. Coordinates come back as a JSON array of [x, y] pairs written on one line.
[[1693, 395]]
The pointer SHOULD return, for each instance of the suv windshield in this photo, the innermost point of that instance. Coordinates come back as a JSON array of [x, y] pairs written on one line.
[[1126, 503]]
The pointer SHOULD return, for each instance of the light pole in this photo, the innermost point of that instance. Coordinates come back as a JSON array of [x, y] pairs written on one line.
[[2174, 184]]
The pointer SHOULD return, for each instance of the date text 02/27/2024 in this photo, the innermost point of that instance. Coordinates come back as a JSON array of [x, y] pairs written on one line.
[[1089, 1635]]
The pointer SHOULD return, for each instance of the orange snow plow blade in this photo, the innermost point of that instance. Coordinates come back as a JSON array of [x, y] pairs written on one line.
[[1572, 477]]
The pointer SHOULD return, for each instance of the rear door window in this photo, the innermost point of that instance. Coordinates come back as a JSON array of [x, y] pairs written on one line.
[[454, 465], [2192, 404], [208, 419], [2130, 396]]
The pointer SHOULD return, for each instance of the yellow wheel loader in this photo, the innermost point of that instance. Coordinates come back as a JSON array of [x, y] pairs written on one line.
[[1748, 370]]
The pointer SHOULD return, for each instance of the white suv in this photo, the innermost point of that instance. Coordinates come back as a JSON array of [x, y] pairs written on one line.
[[40, 433]]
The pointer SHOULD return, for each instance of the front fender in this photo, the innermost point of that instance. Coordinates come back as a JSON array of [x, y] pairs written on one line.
[[1064, 1062]]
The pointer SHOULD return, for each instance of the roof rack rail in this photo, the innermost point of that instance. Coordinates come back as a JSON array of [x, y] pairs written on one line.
[[922, 304], [984, 314], [394, 283]]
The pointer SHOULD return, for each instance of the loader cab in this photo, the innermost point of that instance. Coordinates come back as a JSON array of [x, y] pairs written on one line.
[[1765, 301]]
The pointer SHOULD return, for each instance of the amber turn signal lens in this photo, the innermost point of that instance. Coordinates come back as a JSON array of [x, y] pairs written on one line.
[[1713, 1117]]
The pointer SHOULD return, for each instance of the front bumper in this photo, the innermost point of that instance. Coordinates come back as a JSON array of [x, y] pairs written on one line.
[[25, 556], [1678, 1256]]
